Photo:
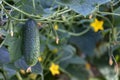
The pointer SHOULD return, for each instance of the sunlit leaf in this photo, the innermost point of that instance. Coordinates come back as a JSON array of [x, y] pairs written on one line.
[[83, 7]]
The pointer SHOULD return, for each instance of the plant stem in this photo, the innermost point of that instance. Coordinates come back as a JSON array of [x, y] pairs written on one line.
[[42, 77], [109, 13], [75, 34], [19, 76]]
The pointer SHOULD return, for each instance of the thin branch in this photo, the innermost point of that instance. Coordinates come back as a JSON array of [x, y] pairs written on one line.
[[75, 34], [109, 13]]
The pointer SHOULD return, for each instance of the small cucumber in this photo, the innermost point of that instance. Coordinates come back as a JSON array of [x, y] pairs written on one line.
[[31, 42]]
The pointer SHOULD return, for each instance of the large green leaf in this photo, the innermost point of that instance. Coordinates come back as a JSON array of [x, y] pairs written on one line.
[[4, 56], [66, 52], [68, 56], [109, 73], [14, 47], [21, 64], [76, 60], [29, 8], [1, 76], [3, 32], [42, 43], [9, 72], [87, 42], [77, 71], [73, 60], [116, 18], [47, 3], [38, 7], [83, 7]]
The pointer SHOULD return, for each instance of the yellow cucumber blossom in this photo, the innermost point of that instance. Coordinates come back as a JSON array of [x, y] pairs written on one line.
[[55, 27], [54, 69], [97, 25]]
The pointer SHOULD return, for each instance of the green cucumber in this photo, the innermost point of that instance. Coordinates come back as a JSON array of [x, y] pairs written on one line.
[[31, 42]]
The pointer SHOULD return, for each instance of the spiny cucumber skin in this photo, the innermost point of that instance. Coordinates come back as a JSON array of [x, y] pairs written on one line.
[[31, 42]]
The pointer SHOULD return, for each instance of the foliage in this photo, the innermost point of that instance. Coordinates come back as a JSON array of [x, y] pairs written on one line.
[[79, 39]]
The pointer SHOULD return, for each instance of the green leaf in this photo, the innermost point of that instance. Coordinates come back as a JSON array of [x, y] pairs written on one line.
[[39, 7], [109, 73], [0, 1], [77, 71], [27, 6], [116, 18], [9, 72], [66, 52], [21, 64], [4, 56], [73, 60], [47, 3], [87, 42], [83, 7], [76, 60], [42, 43], [18, 29], [68, 56], [117, 10], [14, 47], [51, 47], [16, 0], [1, 76], [36, 7], [3, 32]]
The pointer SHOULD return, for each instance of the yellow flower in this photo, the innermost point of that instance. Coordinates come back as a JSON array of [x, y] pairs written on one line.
[[33, 76], [55, 50], [117, 58], [54, 69], [87, 65], [97, 25], [55, 27], [40, 59], [22, 71]]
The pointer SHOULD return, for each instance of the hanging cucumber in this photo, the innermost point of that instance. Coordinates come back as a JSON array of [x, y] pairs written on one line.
[[31, 42]]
